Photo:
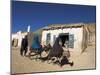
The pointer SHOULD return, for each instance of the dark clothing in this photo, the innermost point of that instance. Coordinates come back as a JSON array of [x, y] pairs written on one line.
[[25, 42], [23, 51], [24, 45], [65, 61], [57, 50]]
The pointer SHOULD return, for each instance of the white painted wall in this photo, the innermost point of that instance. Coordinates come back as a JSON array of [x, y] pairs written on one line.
[[19, 36], [77, 36]]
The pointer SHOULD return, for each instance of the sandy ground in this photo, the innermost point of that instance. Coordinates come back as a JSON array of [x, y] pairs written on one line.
[[21, 64]]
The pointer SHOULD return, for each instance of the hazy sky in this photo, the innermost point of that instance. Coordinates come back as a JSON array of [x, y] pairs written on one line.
[[38, 15]]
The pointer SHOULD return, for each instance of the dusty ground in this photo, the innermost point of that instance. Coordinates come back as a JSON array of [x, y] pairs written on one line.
[[21, 64]]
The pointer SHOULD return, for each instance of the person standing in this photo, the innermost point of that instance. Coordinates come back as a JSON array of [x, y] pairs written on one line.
[[24, 46]]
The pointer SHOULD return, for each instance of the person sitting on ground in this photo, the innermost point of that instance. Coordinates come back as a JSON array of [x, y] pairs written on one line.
[[65, 60]]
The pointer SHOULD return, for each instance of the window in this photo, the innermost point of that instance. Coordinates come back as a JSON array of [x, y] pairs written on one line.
[[54, 38], [48, 38], [71, 41]]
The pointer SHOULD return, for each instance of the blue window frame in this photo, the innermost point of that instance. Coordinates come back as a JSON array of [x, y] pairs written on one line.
[[48, 38], [71, 41]]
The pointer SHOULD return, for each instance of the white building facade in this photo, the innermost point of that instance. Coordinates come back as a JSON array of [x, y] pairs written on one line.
[[18, 36], [71, 36]]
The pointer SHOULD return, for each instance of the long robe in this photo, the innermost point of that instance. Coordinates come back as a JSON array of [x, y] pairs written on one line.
[[57, 50]]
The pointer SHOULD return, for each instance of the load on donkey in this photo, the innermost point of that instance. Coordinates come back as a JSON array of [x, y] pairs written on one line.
[[37, 48]]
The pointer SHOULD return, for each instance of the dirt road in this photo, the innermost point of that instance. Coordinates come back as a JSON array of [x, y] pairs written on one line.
[[21, 64]]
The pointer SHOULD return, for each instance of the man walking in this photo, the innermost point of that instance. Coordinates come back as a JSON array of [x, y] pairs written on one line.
[[24, 45]]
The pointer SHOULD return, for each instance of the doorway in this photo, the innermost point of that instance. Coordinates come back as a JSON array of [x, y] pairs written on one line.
[[67, 40], [64, 38]]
